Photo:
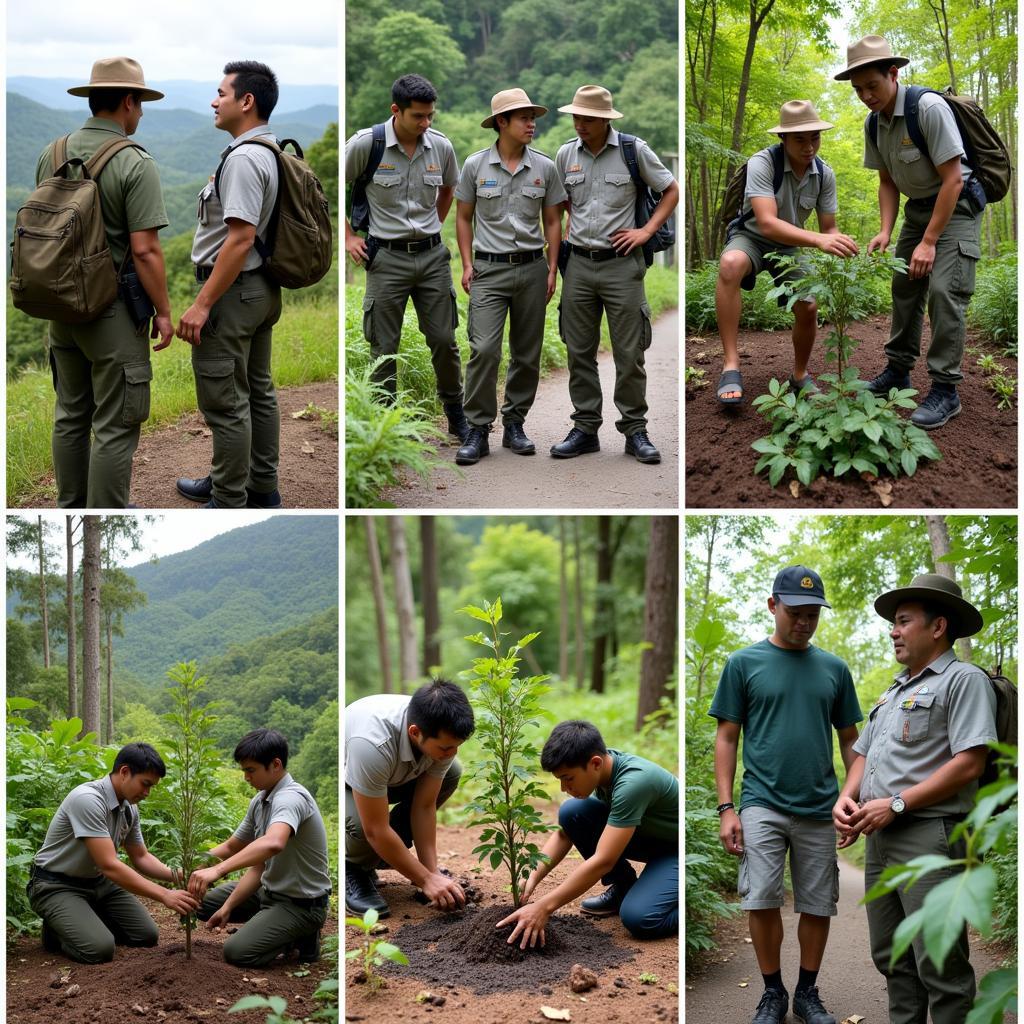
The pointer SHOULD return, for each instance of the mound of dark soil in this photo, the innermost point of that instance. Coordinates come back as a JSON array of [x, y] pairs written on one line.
[[440, 948]]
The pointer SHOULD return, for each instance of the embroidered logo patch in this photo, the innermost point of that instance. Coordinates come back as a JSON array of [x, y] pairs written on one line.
[[907, 142], [574, 168], [538, 181], [433, 167], [386, 167], [807, 583]]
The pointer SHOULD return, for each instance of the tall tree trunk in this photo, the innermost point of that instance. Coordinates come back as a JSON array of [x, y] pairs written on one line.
[[602, 612], [109, 730], [579, 604], [942, 22], [69, 599], [404, 606], [563, 602], [431, 609], [91, 624], [661, 614], [43, 609], [938, 535], [706, 597], [377, 583]]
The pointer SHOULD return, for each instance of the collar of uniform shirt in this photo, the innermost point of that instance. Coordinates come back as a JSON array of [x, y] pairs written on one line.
[[283, 781], [260, 129], [937, 665]]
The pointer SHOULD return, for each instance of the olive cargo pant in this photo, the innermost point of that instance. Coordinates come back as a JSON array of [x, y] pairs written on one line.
[[616, 287], [235, 391], [518, 293], [101, 374], [89, 920], [913, 983], [272, 924], [946, 291], [425, 277]]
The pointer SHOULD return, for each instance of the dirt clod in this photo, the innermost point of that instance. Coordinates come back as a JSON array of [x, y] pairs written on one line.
[[581, 979]]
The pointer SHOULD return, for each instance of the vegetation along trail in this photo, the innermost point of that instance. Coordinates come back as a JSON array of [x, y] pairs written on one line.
[[606, 479]]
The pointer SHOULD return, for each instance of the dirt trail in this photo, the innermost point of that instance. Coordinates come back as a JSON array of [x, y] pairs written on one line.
[[308, 473], [848, 982], [605, 479]]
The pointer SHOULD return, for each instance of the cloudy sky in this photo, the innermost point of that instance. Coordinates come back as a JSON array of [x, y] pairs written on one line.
[[183, 39]]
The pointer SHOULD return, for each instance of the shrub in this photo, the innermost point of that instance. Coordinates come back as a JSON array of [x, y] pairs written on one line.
[[759, 312], [993, 309]]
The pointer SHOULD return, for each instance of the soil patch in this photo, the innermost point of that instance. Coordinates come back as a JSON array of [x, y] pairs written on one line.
[[308, 474], [978, 468], [156, 984]]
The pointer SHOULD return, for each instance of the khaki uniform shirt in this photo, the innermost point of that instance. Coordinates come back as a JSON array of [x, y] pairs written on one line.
[[402, 194], [912, 172], [601, 192], [378, 751], [508, 204], [248, 191], [300, 869], [130, 195], [919, 724], [796, 198], [89, 811]]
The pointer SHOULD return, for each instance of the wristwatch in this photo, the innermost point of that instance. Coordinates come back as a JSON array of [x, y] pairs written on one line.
[[722, 808], [897, 804]]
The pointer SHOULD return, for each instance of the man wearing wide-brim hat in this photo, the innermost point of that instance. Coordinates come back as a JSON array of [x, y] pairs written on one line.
[[914, 779], [783, 184], [605, 271], [102, 369], [941, 234], [509, 200]]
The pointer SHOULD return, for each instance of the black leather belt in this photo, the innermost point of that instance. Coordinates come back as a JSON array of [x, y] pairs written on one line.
[[415, 245], [203, 273], [510, 257], [55, 876], [597, 255]]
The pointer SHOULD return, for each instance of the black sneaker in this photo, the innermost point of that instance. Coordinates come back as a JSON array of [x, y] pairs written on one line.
[[773, 1007], [514, 437], [608, 902], [941, 404], [807, 1007], [891, 377], [361, 892]]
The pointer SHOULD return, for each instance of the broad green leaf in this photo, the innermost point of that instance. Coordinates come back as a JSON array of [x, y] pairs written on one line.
[[997, 993], [904, 934], [966, 897], [391, 952], [709, 633]]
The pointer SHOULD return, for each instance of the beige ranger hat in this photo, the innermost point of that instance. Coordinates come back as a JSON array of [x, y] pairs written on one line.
[[799, 116], [511, 99], [938, 590], [867, 51], [592, 101], [117, 73]]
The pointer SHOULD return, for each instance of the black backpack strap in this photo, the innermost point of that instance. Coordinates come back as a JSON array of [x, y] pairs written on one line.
[[628, 146], [375, 157], [264, 248], [778, 166], [873, 127], [910, 103]]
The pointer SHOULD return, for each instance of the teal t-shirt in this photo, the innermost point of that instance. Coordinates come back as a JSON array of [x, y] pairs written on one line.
[[787, 703], [641, 795]]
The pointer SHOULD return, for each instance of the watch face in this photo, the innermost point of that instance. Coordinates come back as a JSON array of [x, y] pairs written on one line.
[[898, 805]]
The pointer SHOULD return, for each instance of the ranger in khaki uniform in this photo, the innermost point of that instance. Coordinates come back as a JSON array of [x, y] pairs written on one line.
[[505, 194], [913, 780], [409, 197], [80, 888], [606, 272], [230, 323], [101, 370], [284, 894], [941, 234]]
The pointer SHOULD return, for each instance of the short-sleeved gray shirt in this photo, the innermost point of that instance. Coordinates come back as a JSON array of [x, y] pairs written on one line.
[[912, 172], [402, 194], [89, 811], [920, 723], [300, 869], [248, 190], [602, 195], [378, 751], [796, 198], [508, 204]]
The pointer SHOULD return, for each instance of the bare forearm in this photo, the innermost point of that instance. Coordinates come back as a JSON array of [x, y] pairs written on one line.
[[553, 236], [121, 874], [152, 867], [945, 204], [582, 878], [256, 853], [854, 777], [390, 847], [963, 769], [725, 769], [149, 265], [424, 835], [464, 237], [778, 230], [245, 887]]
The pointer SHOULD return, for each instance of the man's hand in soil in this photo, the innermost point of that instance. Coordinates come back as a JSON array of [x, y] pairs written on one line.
[[201, 880], [180, 901], [730, 833], [443, 892], [530, 921], [220, 918]]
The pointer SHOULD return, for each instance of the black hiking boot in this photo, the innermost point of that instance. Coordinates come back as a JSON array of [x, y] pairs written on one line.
[[890, 377], [772, 1008], [458, 425], [514, 438], [51, 941], [361, 892], [807, 1007], [308, 948], [608, 902]]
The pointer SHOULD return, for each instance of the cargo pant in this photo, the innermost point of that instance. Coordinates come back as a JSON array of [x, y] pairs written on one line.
[[616, 287], [89, 920], [235, 391], [272, 924], [914, 984], [946, 291], [101, 376], [518, 293], [357, 847], [425, 277]]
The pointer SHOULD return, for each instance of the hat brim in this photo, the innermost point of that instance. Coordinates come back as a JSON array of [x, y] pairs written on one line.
[[894, 62], [144, 94], [805, 126], [968, 618], [607, 115], [795, 600], [539, 111]]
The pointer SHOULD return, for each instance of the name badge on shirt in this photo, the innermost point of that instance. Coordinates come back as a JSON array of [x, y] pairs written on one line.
[[574, 168], [489, 182], [387, 168], [907, 141], [433, 167]]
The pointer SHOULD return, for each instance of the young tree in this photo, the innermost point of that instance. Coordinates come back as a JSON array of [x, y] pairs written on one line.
[[118, 596], [379, 605], [91, 624], [507, 704], [403, 601], [661, 607], [429, 598], [24, 537], [69, 601]]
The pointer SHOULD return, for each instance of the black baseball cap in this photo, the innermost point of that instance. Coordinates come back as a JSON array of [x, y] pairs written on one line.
[[799, 585]]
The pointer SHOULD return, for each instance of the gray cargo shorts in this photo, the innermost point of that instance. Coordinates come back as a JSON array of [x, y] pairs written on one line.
[[760, 251], [814, 867]]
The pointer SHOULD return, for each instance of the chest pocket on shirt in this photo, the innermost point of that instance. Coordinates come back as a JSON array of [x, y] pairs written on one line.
[[908, 154], [913, 723], [488, 202], [808, 199], [388, 183], [530, 199], [202, 212], [617, 191], [574, 183]]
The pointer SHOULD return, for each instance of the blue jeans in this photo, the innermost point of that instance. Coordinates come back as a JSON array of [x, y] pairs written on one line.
[[651, 908]]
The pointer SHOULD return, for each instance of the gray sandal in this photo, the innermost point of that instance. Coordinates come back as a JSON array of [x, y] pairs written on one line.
[[731, 380], [807, 386]]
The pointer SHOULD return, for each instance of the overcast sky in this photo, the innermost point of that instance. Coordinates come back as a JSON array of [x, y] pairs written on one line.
[[180, 39]]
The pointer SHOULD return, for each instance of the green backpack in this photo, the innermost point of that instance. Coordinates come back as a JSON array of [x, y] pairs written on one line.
[[61, 267]]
